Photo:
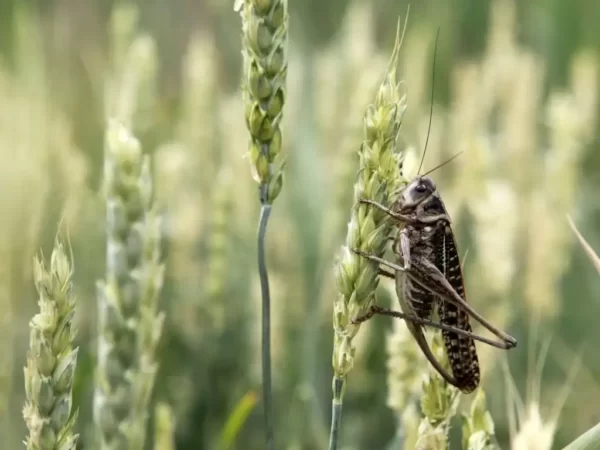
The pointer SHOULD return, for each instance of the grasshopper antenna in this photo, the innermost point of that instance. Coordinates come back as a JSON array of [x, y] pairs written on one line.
[[444, 163], [437, 37]]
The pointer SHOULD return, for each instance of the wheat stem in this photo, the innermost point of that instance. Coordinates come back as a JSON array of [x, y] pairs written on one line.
[[265, 212], [264, 44], [336, 411]]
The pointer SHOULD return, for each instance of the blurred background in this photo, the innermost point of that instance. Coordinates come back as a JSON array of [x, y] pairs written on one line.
[[516, 89]]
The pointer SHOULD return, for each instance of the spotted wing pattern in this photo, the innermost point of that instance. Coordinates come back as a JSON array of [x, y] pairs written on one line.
[[461, 351]]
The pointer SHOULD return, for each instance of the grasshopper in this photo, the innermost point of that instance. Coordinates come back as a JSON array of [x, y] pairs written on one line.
[[428, 273]]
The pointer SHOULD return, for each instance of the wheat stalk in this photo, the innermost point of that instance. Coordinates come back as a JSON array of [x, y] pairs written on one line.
[[264, 46]]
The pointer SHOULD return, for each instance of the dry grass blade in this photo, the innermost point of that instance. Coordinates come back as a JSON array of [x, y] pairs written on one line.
[[587, 441], [237, 419], [586, 247]]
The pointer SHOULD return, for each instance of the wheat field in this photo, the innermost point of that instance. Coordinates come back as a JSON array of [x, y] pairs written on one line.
[[141, 144]]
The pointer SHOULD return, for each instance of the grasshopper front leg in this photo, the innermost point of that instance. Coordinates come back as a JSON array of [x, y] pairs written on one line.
[[379, 260], [386, 274], [387, 210], [405, 247], [420, 217]]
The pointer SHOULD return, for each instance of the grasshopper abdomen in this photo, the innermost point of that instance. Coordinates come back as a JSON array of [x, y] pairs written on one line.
[[460, 349]]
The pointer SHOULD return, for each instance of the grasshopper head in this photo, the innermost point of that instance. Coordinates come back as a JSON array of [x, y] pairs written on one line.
[[417, 191]]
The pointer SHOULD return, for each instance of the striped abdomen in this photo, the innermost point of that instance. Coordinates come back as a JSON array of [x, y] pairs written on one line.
[[461, 351], [421, 300]]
